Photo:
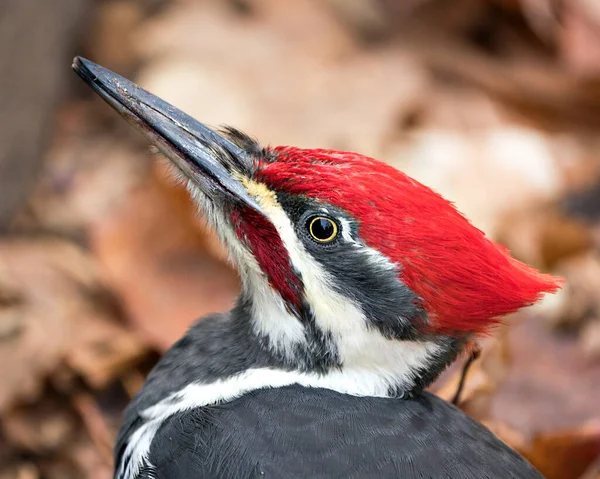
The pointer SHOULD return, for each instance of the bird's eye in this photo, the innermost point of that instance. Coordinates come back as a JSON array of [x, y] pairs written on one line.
[[322, 229]]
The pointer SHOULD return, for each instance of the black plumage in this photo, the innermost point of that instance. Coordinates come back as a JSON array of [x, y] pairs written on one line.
[[297, 432]]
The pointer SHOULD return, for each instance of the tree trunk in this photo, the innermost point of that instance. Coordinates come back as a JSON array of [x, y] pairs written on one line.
[[37, 42]]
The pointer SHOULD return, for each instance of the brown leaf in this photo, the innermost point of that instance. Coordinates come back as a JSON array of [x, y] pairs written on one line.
[[550, 384], [42, 428], [565, 454], [540, 235], [580, 37], [590, 339], [530, 85], [102, 349], [95, 424], [154, 253], [61, 318], [20, 471], [578, 301], [110, 40], [329, 91], [593, 471], [40, 322], [88, 462]]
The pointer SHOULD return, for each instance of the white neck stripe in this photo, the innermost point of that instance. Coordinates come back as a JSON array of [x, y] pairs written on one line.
[[358, 382]]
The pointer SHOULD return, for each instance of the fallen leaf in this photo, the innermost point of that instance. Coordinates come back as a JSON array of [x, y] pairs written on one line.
[[101, 348], [540, 235], [60, 321], [590, 339], [578, 302], [550, 383], [580, 37], [326, 90], [20, 471], [153, 252], [565, 454], [39, 335], [592, 472], [43, 428]]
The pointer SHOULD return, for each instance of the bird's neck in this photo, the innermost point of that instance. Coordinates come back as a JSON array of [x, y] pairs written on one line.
[[336, 349]]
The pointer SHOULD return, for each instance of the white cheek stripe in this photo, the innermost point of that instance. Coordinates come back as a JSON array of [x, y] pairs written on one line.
[[272, 319]]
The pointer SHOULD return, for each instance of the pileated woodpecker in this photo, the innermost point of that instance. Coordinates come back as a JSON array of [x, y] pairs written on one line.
[[360, 285]]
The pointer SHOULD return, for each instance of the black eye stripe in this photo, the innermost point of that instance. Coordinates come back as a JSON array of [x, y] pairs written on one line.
[[322, 229]]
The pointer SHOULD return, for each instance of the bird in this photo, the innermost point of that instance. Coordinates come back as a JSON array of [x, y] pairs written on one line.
[[360, 285]]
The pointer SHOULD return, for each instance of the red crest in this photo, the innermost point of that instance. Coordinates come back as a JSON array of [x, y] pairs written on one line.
[[465, 281]]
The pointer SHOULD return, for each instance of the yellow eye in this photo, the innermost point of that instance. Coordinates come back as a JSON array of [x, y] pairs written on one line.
[[322, 229]]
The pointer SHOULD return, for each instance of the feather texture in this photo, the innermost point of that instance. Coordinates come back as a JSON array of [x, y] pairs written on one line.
[[295, 432], [465, 281]]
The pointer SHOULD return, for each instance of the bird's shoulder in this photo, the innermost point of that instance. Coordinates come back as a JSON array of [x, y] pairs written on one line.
[[298, 432], [198, 357]]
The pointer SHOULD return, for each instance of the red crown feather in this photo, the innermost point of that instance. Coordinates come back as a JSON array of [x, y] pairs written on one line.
[[465, 282]]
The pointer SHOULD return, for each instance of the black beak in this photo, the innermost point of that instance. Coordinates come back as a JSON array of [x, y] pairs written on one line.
[[191, 145]]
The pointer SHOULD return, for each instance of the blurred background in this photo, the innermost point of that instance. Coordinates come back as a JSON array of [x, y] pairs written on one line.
[[104, 262]]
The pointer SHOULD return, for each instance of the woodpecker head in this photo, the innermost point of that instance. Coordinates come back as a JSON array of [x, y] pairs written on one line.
[[346, 262]]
